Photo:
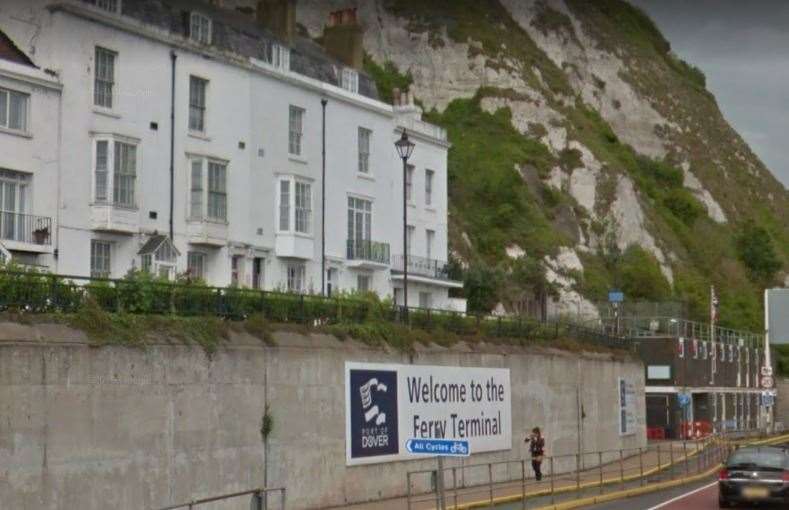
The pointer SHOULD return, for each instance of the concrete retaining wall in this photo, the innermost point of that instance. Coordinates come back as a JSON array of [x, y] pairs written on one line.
[[89, 428]]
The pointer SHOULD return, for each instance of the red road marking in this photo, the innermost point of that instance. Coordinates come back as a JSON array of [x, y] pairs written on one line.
[[704, 499]]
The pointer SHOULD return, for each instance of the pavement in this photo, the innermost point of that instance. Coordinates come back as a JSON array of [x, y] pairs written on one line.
[[656, 463]]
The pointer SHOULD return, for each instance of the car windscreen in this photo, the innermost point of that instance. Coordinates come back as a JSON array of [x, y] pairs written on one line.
[[759, 458]]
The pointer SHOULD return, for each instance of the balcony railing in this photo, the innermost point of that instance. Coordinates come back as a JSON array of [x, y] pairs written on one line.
[[422, 266], [26, 228], [371, 251]]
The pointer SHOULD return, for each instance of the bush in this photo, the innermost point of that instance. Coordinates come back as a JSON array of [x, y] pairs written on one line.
[[641, 277], [757, 252]]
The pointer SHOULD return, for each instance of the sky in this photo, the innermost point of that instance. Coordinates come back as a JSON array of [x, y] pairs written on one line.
[[743, 48]]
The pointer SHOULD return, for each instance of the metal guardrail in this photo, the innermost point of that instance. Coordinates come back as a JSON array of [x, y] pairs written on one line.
[[565, 477], [422, 266], [364, 249], [259, 499], [657, 327], [26, 228]]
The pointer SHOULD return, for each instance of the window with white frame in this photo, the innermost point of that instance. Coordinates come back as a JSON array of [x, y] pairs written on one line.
[[303, 207], [14, 197], [104, 77], [284, 205], [295, 205], [430, 238], [364, 150], [208, 190], [363, 283], [350, 80], [360, 219], [108, 5], [425, 300], [409, 184], [429, 187], [100, 259], [13, 109], [197, 103], [410, 239], [115, 185], [195, 264], [295, 131], [295, 277], [200, 28], [280, 56]]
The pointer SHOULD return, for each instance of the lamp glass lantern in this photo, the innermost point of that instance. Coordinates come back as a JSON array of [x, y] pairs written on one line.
[[404, 146]]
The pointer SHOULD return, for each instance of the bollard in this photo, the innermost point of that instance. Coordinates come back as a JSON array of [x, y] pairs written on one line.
[[658, 461], [622, 468], [578, 472], [455, 486]]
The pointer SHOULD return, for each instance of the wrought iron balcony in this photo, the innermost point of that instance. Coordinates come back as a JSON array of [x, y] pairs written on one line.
[[366, 250], [422, 266], [26, 228]]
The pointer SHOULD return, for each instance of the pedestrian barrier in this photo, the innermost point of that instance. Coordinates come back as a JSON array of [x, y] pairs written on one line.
[[565, 477], [259, 500]]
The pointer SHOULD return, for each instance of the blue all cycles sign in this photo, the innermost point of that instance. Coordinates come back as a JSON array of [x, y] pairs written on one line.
[[441, 447]]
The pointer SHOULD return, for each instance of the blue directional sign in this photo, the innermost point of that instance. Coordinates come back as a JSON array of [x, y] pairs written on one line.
[[440, 447], [684, 399], [616, 296]]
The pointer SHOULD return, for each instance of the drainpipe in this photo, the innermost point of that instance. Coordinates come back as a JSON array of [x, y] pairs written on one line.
[[173, 58], [323, 199]]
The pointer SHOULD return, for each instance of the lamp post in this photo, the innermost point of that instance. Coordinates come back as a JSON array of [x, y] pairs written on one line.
[[405, 148]]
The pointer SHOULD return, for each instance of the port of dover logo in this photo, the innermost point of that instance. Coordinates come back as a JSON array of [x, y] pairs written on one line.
[[374, 423]]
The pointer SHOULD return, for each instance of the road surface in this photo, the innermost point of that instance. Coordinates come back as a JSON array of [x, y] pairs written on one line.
[[698, 496]]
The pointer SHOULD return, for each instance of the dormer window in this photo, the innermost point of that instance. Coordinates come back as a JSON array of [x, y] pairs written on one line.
[[113, 6], [350, 80], [280, 56], [200, 28]]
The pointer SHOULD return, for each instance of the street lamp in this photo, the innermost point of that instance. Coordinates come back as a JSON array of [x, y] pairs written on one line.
[[405, 148]]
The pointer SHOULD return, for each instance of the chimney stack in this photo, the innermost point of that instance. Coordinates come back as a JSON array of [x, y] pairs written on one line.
[[279, 16], [342, 38]]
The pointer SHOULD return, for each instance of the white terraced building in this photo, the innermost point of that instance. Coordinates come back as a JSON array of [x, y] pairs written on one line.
[[175, 136]]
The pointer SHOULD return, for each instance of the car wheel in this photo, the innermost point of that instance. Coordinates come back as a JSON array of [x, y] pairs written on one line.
[[722, 503]]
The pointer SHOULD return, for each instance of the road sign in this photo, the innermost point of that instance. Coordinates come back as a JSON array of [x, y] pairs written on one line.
[[767, 382], [767, 370], [440, 447], [768, 399], [684, 399], [616, 296]]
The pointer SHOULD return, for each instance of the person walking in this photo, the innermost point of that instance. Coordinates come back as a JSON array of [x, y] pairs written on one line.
[[537, 449]]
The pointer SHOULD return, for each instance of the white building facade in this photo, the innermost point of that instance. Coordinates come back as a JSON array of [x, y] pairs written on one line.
[[179, 137]]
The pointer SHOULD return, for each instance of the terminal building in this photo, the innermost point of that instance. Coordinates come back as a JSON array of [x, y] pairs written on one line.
[[699, 380]]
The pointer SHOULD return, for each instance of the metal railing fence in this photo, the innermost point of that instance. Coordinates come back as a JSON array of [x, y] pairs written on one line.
[[259, 500], [48, 293], [26, 228], [565, 477]]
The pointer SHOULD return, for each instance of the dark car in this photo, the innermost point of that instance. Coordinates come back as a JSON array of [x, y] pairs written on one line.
[[755, 474]]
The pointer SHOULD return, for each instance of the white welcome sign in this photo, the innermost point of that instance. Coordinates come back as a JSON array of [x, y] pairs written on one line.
[[388, 404]]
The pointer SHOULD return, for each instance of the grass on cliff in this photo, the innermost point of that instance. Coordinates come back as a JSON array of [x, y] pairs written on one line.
[[488, 197]]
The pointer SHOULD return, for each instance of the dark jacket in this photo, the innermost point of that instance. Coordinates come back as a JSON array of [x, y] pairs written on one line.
[[537, 446]]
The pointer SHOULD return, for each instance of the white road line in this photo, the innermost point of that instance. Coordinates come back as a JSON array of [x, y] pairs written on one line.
[[683, 496]]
